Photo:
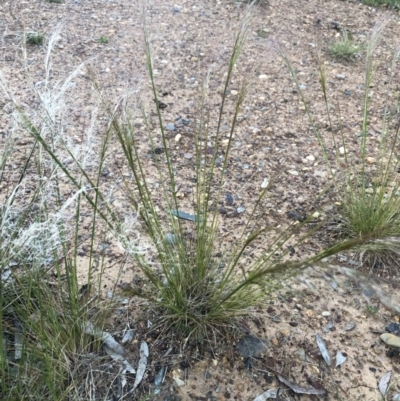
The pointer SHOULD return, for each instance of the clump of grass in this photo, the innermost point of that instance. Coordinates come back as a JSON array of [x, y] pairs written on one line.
[[345, 48], [388, 3], [54, 1], [34, 38], [103, 40], [366, 186], [196, 289]]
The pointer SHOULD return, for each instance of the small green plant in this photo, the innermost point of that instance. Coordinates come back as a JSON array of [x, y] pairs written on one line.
[[345, 48], [34, 38], [103, 40], [54, 1], [388, 3], [371, 309]]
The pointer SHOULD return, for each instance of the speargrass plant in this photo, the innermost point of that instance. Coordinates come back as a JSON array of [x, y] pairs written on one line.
[[365, 184], [195, 291]]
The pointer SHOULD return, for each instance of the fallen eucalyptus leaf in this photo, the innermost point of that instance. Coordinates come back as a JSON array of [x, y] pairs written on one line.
[[396, 397], [128, 336], [185, 216], [340, 358], [160, 376], [106, 338], [300, 390], [323, 349], [142, 364], [267, 395], [144, 354], [128, 369], [384, 383]]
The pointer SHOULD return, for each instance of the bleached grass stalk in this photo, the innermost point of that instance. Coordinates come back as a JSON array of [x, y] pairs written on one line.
[[41, 231]]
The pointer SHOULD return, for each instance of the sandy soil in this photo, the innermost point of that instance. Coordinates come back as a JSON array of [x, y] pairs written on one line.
[[273, 140]]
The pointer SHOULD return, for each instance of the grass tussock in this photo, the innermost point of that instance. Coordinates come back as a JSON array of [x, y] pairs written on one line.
[[365, 181], [34, 38], [345, 49], [394, 4]]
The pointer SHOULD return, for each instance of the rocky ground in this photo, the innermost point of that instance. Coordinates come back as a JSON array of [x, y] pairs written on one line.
[[273, 141]]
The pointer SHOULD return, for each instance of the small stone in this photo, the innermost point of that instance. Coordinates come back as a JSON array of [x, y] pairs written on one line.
[[262, 76], [393, 328], [300, 354], [276, 319], [275, 342], [315, 215], [234, 93], [371, 160], [240, 209], [350, 326], [347, 92], [240, 387], [294, 324], [328, 327], [309, 313], [293, 172], [179, 382], [252, 347], [187, 155], [326, 314], [341, 150], [310, 158], [322, 174], [178, 137], [391, 340], [315, 369], [302, 86], [229, 199], [170, 127], [340, 76], [194, 59]]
